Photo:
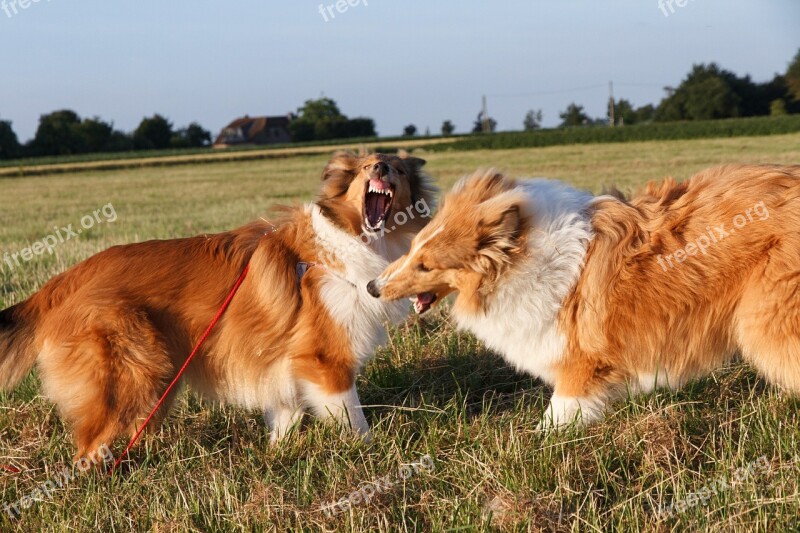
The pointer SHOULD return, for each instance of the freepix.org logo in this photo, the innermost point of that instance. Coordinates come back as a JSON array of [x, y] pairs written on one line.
[[341, 7], [13, 7], [60, 235]]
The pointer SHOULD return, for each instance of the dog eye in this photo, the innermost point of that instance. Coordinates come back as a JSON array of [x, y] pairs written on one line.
[[422, 268]]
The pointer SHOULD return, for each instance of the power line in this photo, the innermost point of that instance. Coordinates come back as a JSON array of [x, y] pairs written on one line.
[[577, 89], [636, 84], [521, 95]]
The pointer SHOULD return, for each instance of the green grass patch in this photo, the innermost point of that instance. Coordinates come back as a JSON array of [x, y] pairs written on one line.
[[431, 391]]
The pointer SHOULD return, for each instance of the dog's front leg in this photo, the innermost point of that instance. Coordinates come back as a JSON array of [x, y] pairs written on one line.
[[565, 410], [281, 420], [341, 407]]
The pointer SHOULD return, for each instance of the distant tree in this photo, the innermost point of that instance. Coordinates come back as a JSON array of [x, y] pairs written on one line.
[[627, 114], [711, 98], [448, 128], [671, 107], [96, 134], [302, 130], [59, 133], [321, 119], [624, 112], [574, 115], [409, 131], [710, 92], [320, 110], [154, 133], [197, 135], [777, 108], [533, 120], [120, 142], [792, 78], [645, 113], [484, 124], [9, 144], [192, 136], [318, 120], [359, 127]]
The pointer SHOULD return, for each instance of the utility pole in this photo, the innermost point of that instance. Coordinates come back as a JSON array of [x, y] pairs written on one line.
[[484, 115], [611, 118]]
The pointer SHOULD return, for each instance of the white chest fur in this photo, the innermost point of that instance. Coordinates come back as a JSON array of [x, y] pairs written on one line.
[[521, 320], [344, 292]]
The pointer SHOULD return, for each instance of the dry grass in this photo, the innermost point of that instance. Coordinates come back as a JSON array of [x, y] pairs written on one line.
[[430, 391]]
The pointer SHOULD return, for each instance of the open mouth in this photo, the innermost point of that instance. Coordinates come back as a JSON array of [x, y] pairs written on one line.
[[377, 203], [423, 302]]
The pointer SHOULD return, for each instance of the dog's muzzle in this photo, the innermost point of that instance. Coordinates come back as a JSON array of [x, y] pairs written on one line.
[[374, 288]]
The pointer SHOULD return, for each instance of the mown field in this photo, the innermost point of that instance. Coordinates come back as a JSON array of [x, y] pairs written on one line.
[[725, 452]]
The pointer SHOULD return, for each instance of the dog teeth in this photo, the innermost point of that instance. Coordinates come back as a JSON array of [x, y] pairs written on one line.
[[384, 191], [371, 227]]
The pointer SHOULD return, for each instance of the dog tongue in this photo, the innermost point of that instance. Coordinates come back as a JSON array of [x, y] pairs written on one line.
[[425, 298], [376, 205], [423, 302]]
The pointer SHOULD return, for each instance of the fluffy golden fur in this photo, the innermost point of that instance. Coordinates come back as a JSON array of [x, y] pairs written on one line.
[[111, 332], [598, 296]]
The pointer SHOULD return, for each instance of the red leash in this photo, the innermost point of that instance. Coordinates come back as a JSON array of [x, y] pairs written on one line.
[[184, 367]]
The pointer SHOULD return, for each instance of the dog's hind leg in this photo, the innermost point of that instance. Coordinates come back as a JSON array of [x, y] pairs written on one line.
[[107, 376], [582, 390], [768, 327]]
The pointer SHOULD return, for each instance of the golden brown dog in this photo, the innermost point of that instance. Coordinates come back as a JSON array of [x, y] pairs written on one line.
[[110, 333], [599, 295]]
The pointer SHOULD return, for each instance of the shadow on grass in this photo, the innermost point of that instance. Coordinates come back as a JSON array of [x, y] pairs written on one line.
[[429, 364]]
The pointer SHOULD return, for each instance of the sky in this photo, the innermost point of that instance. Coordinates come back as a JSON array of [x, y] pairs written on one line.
[[399, 62]]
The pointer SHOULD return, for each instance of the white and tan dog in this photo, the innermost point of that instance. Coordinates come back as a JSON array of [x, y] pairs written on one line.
[[600, 295]]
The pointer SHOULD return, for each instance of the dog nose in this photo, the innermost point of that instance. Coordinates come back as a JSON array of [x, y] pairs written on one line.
[[380, 169], [372, 288]]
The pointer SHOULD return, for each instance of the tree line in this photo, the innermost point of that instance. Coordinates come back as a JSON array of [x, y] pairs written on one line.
[[65, 133], [708, 92]]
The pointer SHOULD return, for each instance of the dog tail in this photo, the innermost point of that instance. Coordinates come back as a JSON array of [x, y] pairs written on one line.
[[17, 353]]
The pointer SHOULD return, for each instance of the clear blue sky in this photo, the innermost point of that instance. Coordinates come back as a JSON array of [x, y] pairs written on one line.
[[399, 62]]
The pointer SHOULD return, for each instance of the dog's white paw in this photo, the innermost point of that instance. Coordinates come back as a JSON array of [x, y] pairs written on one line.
[[565, 411]]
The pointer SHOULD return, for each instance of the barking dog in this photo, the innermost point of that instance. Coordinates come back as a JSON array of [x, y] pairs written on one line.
[[598, 296], [110, 333]]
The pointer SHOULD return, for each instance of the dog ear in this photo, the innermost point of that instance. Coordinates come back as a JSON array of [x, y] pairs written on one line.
[[340, 162], [413, 164], [500, 230]]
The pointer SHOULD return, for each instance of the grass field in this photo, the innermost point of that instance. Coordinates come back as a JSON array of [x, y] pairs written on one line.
[[725, 451], [195, 156]]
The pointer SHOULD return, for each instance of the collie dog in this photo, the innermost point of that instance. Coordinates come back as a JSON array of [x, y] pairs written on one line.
[[110, 333], [599, 296]]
